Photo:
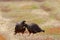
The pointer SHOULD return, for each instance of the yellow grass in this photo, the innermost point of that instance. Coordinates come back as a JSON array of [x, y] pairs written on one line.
[[13, 12]]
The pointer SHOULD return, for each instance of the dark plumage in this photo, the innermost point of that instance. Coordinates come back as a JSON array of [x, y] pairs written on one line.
[[33, 28], [19, 28]]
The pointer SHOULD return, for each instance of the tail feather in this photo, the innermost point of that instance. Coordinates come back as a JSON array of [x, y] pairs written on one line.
[[43, 30]]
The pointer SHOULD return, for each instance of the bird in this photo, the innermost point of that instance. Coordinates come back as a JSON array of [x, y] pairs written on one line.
[[33, 28], [19, 27]]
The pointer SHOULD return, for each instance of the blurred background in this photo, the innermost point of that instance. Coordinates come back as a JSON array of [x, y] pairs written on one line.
[[45, 13]]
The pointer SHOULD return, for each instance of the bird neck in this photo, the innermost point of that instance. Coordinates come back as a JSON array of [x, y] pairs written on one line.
[[26, 25]]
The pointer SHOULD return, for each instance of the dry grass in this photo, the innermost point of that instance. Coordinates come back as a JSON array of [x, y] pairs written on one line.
[[45, 14]]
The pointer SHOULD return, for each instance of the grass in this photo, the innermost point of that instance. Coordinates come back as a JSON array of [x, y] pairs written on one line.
[[18, 13], [29, 7]]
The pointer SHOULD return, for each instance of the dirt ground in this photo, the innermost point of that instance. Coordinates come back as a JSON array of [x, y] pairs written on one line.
[[2, 38]]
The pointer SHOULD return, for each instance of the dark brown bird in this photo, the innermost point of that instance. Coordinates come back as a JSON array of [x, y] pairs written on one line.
[[19, 28], [33, 28]]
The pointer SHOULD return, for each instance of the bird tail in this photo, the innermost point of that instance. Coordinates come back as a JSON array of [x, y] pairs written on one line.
[[43, 30]]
